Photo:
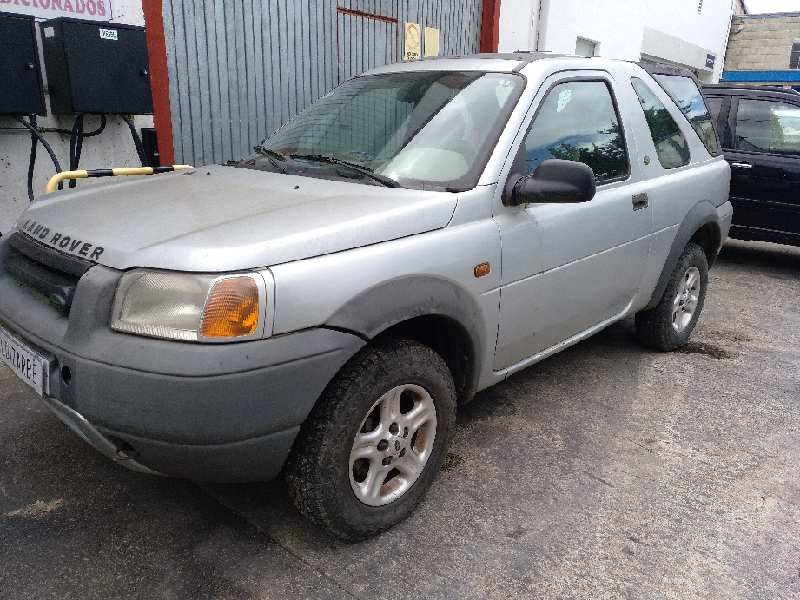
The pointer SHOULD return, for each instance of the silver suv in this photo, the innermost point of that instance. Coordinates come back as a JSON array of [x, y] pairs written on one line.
[[322, 307]]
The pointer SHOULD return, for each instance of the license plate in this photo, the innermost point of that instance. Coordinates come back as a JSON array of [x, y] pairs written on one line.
[[29, 365]]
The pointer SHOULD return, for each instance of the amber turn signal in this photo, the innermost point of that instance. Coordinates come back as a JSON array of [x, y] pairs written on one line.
[[232, 309], [483, 269]]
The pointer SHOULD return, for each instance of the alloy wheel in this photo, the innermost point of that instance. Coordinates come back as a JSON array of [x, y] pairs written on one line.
[[686, 300], [392, 445]]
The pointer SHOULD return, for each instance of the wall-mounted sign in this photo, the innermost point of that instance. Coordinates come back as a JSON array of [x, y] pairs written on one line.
[[95, 10], [109, 34], [711, 60], [413, 44], [431, 41]]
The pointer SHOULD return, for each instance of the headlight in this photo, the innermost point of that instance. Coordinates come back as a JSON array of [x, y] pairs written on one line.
[[189, 307]]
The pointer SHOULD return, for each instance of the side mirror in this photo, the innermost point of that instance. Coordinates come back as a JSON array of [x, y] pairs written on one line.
[[561, 181]]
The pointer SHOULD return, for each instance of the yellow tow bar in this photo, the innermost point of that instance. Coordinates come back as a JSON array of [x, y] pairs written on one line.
[[52, 185]]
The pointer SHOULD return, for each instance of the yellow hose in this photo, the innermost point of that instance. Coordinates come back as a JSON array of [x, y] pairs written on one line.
[[52, 185]]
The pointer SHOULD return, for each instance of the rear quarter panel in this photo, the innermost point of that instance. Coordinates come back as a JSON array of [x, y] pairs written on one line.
[[675, 193], [673, 196]]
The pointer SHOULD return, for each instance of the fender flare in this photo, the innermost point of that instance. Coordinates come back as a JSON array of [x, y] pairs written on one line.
[[399, 300], [703, 213]]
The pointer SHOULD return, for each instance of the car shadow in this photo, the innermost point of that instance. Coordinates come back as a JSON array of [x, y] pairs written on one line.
[[70, 518], [268, 507], [617, 340], [775, 259], [613, 354]]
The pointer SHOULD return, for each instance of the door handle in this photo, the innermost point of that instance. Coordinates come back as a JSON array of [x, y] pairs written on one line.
[[741, 165], [640, 201]]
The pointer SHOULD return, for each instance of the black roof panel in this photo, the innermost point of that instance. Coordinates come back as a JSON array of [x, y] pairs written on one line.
[[763, 91]]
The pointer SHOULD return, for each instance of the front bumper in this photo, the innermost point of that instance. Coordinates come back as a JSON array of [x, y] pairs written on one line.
[[80, 426], [236, 425], [221, 412]]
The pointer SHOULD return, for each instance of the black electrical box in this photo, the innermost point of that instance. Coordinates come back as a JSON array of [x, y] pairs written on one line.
[[21, 90], [96, 67], [150, 146]]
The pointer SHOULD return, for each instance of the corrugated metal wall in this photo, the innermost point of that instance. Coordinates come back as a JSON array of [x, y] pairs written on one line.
[[239, 69]]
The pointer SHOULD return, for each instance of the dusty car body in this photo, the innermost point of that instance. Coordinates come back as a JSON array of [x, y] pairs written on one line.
[[534, 253]]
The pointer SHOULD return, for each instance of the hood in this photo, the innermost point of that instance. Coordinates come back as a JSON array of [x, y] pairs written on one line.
[[217, 219]]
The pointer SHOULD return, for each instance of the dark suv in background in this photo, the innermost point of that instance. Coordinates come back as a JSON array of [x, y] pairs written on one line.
[[759, 129]]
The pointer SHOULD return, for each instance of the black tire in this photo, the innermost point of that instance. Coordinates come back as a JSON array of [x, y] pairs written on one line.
[[654, 326], [318, 471]]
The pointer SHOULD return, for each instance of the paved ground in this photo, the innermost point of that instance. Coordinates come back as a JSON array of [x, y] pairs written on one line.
[[604, 472]]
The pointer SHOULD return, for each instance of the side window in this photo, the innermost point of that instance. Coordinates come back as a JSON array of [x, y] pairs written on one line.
[[577, 121], [794, 56], [671, 146], [714, 107], [764, 126], [685, 94]]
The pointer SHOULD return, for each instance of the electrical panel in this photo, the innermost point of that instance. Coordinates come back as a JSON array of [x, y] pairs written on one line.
[[21, 91], [96, 67], [150, 146]]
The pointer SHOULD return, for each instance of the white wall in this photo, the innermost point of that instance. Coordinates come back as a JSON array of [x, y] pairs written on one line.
[[619, 26], [518, 24], [113, 148]]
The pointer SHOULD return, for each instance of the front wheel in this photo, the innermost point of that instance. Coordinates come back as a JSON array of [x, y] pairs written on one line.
[[372, 446], [670, 323]]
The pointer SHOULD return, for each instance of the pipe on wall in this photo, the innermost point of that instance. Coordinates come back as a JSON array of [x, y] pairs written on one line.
[[539, 32], [159, 78], [490, 26]]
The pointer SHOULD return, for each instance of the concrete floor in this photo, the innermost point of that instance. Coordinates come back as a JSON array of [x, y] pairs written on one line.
[[604, 472]]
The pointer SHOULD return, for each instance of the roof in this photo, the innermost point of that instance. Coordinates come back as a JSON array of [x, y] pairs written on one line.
[[743, 90], [656, 68], [733, 86], [520, 57], [499, 62], [524, 56]]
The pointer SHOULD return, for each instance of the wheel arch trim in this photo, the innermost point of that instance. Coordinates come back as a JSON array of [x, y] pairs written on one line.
[[401, 300], [701, 215]]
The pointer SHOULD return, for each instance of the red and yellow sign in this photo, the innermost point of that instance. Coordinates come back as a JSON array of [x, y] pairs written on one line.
[[96, 10]]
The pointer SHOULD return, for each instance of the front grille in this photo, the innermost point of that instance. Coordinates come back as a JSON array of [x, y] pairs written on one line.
[[50, 273]]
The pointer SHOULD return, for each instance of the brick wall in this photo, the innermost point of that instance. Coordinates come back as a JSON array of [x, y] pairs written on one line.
[[762, 43]]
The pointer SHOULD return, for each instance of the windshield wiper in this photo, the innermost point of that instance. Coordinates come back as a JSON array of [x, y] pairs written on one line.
[[276, 158], [332, 160]]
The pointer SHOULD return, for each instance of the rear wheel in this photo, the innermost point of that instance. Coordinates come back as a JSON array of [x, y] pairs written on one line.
[[375, 441], [670, 323]]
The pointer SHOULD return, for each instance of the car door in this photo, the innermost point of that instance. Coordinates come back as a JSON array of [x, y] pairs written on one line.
[[765, 167], [570, 267]]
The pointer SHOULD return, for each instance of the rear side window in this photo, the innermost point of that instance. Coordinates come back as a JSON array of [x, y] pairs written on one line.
[[683, 91], [578, 121], [763, 126], [671, 146]]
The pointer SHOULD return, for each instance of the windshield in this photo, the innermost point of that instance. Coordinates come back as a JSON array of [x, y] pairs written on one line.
[[422, 129]]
